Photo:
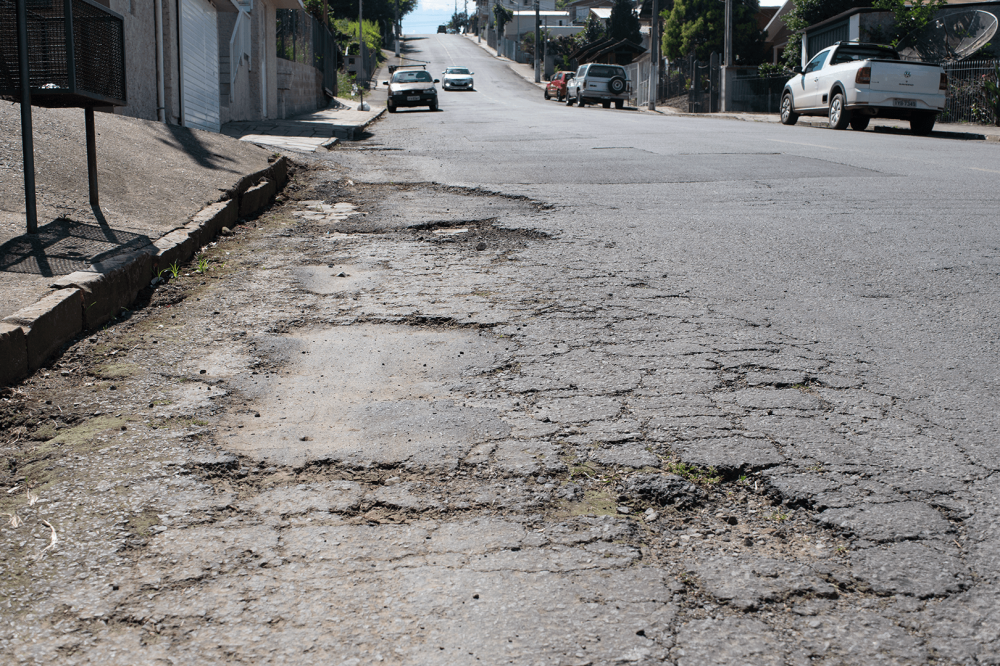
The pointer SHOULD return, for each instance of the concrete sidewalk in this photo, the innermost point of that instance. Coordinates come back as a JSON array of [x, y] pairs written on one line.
[[309, 132]]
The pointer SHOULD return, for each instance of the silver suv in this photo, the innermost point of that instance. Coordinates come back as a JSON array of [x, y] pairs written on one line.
[[599, 83]]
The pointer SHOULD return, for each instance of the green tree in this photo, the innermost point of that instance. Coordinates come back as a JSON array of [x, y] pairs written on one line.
[[699, 27], [593, 31], [501, 17], [624, 22], [459, 20], [911, 16], [810, 12]]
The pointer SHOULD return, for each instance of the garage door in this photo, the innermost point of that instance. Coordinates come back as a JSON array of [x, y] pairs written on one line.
[[199, 65]]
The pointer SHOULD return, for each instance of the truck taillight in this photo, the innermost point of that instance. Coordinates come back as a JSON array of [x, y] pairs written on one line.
[[864, 76], [944, 82]]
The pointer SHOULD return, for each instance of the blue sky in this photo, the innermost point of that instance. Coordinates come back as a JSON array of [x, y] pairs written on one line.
[[432, 13]]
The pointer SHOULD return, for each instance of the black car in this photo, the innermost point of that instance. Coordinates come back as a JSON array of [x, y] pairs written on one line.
[[411, 87]]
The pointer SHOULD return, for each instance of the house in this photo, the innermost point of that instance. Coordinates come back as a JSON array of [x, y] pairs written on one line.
[[777, 33], [866, 25], [202, 63], [580, 9]]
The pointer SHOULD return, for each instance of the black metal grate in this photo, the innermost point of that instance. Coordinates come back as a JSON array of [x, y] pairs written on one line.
[[92, 73]]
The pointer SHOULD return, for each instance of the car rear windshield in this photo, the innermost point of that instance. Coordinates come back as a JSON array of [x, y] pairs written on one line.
[[605, 72], [851, 53], [412, 77]]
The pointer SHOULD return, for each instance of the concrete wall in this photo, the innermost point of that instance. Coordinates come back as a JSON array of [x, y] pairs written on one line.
[[140, 57], [300, 88]]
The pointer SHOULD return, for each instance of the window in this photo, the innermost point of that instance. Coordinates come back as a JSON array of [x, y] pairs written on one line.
[[817, 62], [851, 53]]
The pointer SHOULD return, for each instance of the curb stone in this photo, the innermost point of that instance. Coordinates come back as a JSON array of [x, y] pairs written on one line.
[[49, 323], [14, 352], [110, 286], [85, 300]]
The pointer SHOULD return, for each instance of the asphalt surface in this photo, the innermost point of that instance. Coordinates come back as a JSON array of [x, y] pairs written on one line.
[[512, 382]]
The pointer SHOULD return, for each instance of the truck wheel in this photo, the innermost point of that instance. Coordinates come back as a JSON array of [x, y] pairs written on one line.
[[616, 85], [569, 100], [579, 99], [840, 117], [860, 123], [619, 104], [606, 104], [922, 124], [788, 115]]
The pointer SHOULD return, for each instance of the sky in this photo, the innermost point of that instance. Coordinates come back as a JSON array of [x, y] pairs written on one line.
[[432, 13]]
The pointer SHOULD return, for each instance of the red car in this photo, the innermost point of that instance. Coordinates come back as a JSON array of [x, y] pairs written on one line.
[[557, 85]]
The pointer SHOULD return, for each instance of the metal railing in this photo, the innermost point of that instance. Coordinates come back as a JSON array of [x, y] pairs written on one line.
[[301, 38], [968, 100]]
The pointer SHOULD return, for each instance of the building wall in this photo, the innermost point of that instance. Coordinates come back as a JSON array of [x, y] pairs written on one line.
[[300, 88], [140, 57]]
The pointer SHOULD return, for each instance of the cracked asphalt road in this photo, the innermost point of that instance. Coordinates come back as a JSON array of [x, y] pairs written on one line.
[[516, 383]]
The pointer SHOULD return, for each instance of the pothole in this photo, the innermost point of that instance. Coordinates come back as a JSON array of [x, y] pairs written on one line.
[[369, 395]]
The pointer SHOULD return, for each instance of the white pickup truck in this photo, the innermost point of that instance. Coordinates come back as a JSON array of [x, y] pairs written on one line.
[[852, 83]]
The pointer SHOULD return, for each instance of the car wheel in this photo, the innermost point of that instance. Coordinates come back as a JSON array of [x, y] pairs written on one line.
[[788, 115], [616, 85], [560, 97], [433, 106], [569, 100], [391, 108], [860, 123], [606, 104], [840, 117], [547, 95], [579, 99], [923, 124], [619, 104]]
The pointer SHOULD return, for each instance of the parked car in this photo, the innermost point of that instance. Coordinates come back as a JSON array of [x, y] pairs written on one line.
[[851, 83], [456, 78], [594, 83], [556, 86], [410, 86]]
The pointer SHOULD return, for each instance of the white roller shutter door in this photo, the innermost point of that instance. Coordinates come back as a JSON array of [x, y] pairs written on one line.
[[199, 65]]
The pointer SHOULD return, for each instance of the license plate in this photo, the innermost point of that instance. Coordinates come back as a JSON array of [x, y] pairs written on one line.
[[905, 102], [413, 98]]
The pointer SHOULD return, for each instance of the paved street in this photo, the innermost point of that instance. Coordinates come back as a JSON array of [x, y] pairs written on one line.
[[516, 383]]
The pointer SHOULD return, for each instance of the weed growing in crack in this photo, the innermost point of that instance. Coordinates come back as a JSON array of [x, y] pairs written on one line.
[[174, 269], [202, 264], [777, 516], [707, 476]]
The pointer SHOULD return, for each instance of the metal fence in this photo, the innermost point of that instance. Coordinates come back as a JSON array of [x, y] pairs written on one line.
[[301, 38], [703, 96], [968, 100], [757, 94]]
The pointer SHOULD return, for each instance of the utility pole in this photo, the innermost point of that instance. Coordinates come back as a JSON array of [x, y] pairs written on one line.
[[728, 55], [545, 45], [465, 28], [396, 27], [538, 40], [360, 77], [654, 52]]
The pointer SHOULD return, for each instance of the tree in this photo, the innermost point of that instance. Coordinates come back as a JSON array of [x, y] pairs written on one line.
[[699, 27], [501, 16], [593, 31], [459, 20], [810, 12], [624, 22], [910, 17]]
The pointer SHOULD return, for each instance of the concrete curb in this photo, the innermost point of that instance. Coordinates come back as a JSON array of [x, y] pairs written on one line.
[[49, 323], [85, 300]]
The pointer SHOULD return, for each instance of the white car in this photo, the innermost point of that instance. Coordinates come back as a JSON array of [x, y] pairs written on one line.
[[852, 83], [456, 78]]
